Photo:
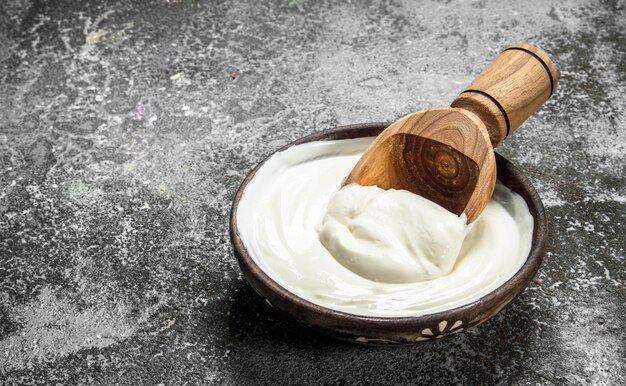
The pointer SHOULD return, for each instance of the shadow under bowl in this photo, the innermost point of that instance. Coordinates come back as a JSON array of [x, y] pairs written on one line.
[[396, 330]]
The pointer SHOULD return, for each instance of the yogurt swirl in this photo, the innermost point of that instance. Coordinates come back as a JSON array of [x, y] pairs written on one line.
[[283, 208]]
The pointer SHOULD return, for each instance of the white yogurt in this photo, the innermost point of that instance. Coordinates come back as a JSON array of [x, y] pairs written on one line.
[[282, 210], [391, 236]]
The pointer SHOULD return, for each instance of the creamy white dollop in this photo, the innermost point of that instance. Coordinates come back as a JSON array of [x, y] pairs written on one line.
[[391, 236], [283, 207]]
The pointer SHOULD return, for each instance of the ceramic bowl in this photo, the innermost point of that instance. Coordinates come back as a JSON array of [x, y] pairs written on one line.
[[396, 330]]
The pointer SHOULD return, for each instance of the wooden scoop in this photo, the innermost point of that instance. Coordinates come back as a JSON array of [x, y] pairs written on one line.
[[446, 154]]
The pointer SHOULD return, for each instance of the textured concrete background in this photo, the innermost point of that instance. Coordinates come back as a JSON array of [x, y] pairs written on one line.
[[125, 130]]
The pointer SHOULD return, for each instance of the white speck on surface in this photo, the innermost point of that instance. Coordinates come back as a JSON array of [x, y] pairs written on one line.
[[51, 328]]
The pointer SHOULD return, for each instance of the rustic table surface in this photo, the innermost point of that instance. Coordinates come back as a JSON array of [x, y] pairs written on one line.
[[125, 130]]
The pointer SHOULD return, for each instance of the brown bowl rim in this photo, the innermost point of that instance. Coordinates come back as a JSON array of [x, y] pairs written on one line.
[[348, 326]]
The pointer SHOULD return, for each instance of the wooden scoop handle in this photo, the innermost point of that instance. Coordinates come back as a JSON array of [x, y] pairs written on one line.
[[510, 89]]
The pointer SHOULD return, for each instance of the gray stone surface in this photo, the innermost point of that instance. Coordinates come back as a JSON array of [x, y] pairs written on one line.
[[125, 130]]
